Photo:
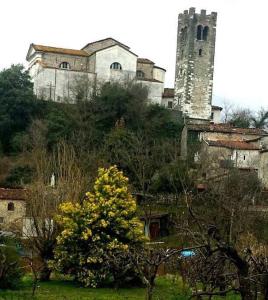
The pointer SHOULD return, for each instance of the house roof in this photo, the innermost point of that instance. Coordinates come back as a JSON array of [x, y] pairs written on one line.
[[239, 145], [43, 48], [225, 128], [145, 61], [151, 80], [168, 93], [12, 194]]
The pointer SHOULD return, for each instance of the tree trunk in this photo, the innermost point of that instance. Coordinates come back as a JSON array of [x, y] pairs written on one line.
[[149, 292], [45, 272], [245, 289]]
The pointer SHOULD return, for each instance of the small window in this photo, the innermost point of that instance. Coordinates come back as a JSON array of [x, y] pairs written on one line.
[[116, 66], [1, 219], [199, 32], [200, 52], [244, 157], [10, 206], [65, 65], [140, 74], [212, 116], [170, 104]]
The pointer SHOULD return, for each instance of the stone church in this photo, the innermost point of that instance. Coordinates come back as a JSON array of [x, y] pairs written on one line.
[[55, 71]]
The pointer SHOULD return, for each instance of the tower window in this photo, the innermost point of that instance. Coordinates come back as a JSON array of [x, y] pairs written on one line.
[[116, 66], [140, 74], [200, 52], [65, 65], [199, 32], [184, 34], [10, 206], [202, 33], [205, 33], [244, 157]]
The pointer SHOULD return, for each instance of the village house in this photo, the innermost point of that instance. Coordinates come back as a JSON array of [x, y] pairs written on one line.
[[12, 208]]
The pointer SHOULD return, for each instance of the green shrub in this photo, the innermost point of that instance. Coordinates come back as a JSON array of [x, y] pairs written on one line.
[[10, 270]]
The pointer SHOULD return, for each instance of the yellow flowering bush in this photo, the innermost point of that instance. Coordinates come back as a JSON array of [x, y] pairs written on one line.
[[103, 224]]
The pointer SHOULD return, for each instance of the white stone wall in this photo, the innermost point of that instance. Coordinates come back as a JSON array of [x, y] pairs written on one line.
[[263, 169], [246, 159], [216, 116], [58, 84], [106, 57], [155, 90], [165, 102], [159, 74]]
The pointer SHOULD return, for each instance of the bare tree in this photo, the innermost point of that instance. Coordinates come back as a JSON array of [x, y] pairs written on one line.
[[58, 178], [216, 219]]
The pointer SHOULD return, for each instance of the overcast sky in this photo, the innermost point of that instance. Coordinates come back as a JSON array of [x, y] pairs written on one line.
[[149, 28]]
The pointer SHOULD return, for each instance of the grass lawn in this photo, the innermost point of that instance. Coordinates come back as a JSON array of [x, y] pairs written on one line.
[[166, 289]]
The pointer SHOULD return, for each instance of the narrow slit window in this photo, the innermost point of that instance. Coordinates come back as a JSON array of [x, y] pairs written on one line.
[[200, 52]]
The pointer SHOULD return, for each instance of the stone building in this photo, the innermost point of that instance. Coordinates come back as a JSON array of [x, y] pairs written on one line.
[[12, 208], [215, 147], [56, 71], [195, 64], [218, 147]]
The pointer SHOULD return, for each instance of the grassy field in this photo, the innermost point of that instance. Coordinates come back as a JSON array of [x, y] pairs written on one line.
[[166, 289]]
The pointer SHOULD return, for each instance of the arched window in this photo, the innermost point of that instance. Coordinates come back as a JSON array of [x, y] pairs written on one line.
[[200, 52], [116, 66], [205, 33], [140, 74], [11, 206], [199, 32], [65, 65]]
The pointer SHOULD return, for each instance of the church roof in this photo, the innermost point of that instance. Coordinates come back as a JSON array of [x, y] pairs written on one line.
[[102, 40], [239, 145], [49, 49], [225, 128]]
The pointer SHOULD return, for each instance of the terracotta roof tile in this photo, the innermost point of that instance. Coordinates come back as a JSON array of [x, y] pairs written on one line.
[[168, 93], [225, 128], [239, 145], [60, 50], [12, 194], [151, 80]]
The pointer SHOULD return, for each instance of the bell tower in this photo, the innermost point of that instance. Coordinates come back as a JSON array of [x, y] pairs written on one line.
[[195, 64]]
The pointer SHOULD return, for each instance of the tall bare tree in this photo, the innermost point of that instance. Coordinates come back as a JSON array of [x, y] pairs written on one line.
[[58, 177]]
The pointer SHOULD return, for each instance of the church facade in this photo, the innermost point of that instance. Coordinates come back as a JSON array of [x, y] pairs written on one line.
[[57, 71]]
